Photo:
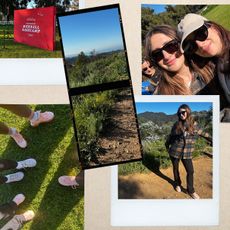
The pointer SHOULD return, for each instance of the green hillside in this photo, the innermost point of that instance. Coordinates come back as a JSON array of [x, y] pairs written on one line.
[[219, 14]]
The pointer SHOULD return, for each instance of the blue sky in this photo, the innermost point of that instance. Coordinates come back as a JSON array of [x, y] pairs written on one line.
[[99, 30], [170, 107], [157, 8]]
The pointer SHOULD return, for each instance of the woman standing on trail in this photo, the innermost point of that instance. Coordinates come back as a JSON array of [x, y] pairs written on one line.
[[180, 145]]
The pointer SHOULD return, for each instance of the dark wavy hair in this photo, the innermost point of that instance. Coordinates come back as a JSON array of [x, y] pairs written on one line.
[[225, 39]]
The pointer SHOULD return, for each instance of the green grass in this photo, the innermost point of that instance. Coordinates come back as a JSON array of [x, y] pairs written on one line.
[[17, 50], [53, 146], [156, 157], [219, 14], [11, 49]]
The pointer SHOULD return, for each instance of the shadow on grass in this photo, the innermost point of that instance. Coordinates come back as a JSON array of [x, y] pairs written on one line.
[[43, 141], [59, 201]]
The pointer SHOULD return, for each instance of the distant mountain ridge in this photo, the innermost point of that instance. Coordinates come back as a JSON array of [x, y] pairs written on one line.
[[72, 59], [161, 118]]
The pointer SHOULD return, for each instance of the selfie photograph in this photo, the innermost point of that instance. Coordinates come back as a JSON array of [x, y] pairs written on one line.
[[185, 51]]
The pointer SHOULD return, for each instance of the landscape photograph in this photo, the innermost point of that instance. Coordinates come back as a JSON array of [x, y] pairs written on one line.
[[153, 178], [106, 127], [94, 50]]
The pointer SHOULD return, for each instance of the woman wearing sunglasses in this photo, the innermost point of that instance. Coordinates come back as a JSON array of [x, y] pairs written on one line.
[[207, 39], [162, 48], [150, 78], [180, 145]]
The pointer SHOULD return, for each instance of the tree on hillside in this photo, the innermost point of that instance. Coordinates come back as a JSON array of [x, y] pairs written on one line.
[[7, 7], [82, 59], [80, 71], [171, 16], [61, 5]]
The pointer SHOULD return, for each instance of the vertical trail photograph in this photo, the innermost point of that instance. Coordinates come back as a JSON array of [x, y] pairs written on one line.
[[106, 127]]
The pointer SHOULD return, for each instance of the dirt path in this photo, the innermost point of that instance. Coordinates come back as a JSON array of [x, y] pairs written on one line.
[[120, 140], [153, 186]]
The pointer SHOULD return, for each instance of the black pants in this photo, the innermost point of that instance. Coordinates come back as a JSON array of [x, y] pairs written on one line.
[[7, 213], [5, 165], [7, 210], [189, 170]]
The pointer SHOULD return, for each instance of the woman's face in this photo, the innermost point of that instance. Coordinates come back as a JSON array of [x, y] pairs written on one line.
[[182, 114], [171, 62], [210, 47], [147, 69]]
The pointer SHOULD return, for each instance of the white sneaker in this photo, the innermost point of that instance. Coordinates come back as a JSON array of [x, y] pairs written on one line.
[[19, 139], [178, 188], [68, 181], [28, 215], [42, 118], [195, 196], [14, 177], [28, 163], [18, 199]]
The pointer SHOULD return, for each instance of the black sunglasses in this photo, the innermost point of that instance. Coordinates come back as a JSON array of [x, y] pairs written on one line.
[[170, 47], [182, 113], [201, 34], [144, 69]]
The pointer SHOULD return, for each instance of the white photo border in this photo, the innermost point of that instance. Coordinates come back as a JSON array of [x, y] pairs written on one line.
[[170, 212]]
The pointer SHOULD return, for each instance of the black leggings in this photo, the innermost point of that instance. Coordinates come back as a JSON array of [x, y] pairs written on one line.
[[5, 165], [7, 210], [189, 169], [7, 213]]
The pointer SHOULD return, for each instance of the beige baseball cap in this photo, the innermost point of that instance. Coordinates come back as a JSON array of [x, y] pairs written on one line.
[[189, 24]]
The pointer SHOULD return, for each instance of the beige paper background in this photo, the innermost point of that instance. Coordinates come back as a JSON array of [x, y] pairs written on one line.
[[97, 185]]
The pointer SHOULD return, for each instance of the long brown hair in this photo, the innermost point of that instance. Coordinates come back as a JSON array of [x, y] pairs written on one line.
[[224, 35], [187, 124], [225, 39], [172, 83]]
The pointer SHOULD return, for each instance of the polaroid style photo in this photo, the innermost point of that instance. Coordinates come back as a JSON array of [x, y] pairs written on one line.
[[99, 86], [177, 183]]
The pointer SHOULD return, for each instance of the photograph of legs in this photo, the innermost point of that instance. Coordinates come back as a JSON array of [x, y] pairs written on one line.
[[38, 166]]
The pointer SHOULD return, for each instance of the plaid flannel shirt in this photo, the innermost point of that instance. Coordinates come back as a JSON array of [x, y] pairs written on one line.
[[181, 145]]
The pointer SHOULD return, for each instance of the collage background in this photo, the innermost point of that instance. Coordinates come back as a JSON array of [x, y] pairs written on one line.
[[97, 184]]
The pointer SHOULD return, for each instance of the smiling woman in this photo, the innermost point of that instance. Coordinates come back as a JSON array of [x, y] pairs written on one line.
[[208, 40], [181, 144], [162, 48]]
